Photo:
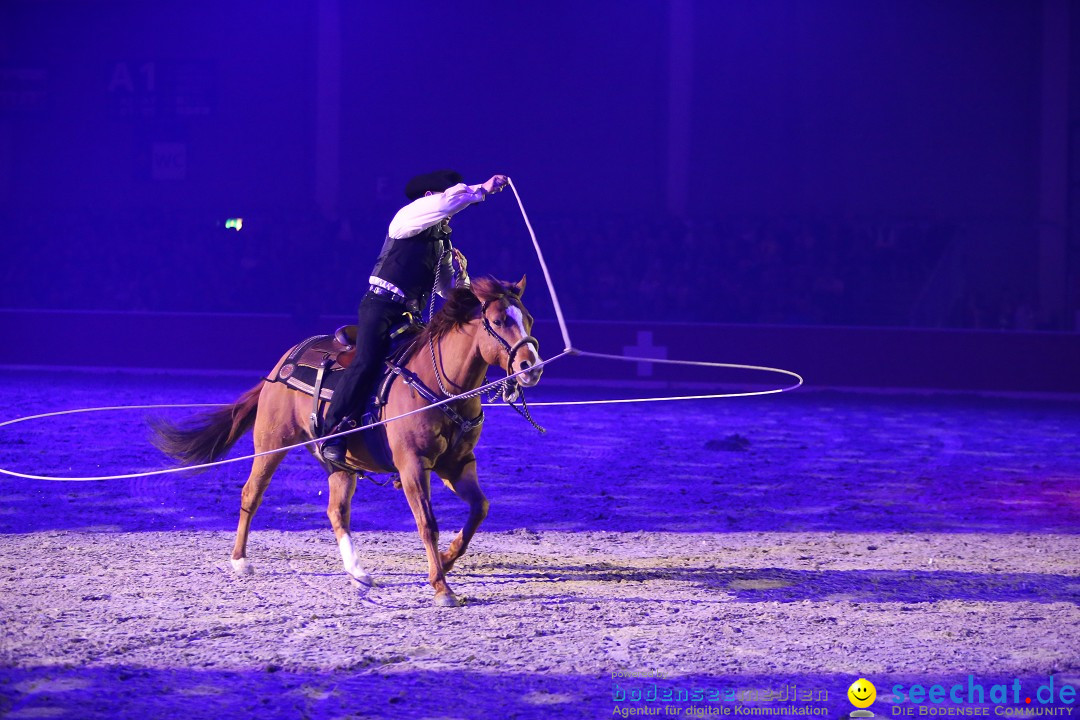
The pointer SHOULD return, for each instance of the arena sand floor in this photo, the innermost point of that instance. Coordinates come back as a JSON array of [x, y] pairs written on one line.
[[727, 549]]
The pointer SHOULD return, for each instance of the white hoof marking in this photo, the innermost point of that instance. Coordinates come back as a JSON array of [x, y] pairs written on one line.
[[351, 563], [241, 566]]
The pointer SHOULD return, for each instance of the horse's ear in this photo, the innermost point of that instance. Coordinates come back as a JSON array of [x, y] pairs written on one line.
[[520, 286]]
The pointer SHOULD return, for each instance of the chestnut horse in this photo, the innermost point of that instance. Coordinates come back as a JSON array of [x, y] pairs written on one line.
[[479, 327]]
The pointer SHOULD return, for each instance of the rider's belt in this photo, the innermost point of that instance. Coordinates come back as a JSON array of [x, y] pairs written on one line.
[[384, 293], [386, 289]]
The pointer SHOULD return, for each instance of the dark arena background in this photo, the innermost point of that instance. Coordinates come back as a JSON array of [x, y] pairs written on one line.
[[881, 196]]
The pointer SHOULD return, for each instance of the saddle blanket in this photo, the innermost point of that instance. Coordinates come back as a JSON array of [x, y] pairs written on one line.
[[301, 365]]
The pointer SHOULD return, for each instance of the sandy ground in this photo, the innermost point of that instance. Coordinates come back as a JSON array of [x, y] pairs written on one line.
[[805, 540]]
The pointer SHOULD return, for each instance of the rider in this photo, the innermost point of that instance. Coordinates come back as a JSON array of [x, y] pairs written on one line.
[[418, 240]]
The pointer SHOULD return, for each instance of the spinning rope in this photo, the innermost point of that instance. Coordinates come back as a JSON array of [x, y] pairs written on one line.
[[569, 350]]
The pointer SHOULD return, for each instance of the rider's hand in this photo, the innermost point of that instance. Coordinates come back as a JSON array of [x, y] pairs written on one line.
[[459, 257], [495, 184]]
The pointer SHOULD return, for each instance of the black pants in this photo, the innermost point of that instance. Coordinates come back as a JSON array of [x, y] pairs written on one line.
[[377, 316]]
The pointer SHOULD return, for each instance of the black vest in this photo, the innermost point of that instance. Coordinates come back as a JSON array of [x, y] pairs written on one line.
[[409, 263]]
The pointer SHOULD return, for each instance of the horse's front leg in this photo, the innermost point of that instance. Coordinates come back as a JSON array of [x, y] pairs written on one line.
[[467, 487], [416, 482]]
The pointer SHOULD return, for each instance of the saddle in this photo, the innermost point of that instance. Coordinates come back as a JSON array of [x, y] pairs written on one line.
[[314, 367]]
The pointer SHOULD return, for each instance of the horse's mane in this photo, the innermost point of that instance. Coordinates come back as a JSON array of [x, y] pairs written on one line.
[[463, 304]]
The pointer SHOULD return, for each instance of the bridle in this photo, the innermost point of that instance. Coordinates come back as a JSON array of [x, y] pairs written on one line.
[[511, 350], [510, 385]]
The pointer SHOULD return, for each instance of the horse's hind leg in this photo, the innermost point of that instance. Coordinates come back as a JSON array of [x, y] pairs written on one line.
[[342, 487], [467, 487], [262, 469]]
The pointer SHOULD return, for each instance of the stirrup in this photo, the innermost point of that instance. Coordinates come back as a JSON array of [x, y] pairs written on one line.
[[334, 450]]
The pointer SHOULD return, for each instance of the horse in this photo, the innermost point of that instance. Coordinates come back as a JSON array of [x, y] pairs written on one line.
[[485, 325]]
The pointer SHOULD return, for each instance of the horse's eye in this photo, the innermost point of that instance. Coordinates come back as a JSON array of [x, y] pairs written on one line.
[[497, 323]]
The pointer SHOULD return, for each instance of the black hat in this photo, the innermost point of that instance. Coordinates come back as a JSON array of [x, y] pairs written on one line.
[[432, 182]]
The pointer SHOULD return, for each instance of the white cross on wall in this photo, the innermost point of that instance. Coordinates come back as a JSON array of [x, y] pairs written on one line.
[[645, 349]]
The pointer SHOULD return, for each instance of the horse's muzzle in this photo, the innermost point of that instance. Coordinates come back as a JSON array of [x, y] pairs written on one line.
[[532, 377], [525, 355]]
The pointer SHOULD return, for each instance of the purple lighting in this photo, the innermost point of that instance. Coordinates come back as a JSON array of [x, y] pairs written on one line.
[[878, 196]]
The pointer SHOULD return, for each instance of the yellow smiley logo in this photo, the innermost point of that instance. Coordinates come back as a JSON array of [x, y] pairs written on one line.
[[862, 693]]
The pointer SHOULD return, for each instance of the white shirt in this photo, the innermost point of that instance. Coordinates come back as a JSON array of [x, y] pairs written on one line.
[[430, 210]]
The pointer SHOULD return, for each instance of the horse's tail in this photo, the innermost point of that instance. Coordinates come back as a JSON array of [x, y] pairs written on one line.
[[208, 436]]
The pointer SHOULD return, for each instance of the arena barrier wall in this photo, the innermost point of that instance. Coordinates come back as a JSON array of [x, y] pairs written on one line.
[[899, 358]]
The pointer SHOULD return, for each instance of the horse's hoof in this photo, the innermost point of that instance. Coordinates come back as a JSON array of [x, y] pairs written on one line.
[[241, 566], [363, 579], [448, 599]]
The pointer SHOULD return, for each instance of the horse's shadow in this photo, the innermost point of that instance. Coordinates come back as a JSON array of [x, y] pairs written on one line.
[[788, 585]]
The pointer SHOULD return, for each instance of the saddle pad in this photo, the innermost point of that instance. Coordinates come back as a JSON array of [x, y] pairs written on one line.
[[303, 361]]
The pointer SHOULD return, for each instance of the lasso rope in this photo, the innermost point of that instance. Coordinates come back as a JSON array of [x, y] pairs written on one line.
[[569, 350], [252, 456], [543, 266], [603, 356]]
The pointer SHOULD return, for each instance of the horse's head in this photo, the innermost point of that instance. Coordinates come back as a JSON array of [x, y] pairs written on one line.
[[507, 342]]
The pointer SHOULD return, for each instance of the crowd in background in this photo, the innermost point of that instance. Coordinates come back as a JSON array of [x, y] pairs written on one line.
[[788, 270]]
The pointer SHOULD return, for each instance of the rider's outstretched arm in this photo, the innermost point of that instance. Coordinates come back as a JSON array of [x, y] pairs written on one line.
[[432, 209]]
